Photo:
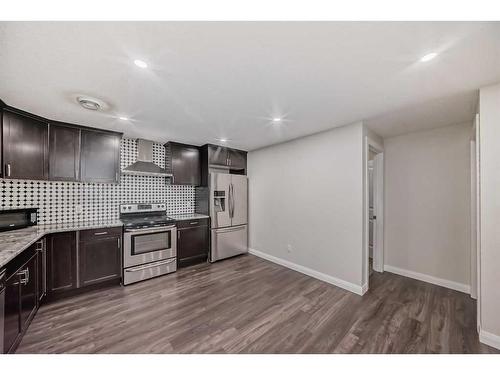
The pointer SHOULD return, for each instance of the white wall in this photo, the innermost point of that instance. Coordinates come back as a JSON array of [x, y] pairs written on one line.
[[427, 205], [309, 193], [489, 143]]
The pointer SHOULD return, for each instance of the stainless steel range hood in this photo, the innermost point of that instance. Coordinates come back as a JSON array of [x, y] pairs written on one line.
[[144, 165]]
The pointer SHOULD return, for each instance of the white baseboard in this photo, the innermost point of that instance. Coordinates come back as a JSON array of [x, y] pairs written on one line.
[[310, 272], [429, 279], [364, 289], [489, 339]]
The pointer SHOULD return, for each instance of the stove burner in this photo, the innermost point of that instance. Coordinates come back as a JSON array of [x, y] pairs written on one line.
[[135, 216]]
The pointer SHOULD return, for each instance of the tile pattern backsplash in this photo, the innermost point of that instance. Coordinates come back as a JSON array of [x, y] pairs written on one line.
[[58, 201]]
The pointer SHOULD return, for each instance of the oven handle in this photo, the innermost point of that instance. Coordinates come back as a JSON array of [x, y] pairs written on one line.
[[152, 230], [156, 264]]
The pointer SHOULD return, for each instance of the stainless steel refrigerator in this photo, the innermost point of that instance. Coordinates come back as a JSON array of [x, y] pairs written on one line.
[[229, 215]]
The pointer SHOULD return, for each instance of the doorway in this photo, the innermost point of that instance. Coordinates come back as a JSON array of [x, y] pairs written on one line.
[[374, 211]]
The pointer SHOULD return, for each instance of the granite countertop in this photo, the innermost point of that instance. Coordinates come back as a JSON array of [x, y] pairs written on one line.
[[14, 242], [193, 216]]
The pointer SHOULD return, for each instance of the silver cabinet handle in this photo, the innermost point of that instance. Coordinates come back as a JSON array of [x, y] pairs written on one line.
[[119, 242], [100, 233], [39, 245], [145, 267], [24, 277], [153, 230], [193, 223], [7, 169]]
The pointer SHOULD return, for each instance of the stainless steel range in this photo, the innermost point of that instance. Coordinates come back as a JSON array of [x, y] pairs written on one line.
[[149, 241]]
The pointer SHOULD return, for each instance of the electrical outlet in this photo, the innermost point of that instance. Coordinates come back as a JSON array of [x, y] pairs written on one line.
[[189, 204], [78, 209], [289, 248]]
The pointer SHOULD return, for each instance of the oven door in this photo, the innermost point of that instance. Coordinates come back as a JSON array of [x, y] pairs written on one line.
[[149, 245]]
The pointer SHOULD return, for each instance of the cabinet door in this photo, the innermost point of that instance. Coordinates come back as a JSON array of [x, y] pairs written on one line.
[[62, 262], [12, 312], [217, 155], [64, 153], [29, 296], [100, 157], [25, 141], [100, 260], [185, 164], [192, 243], [237, 159], [42, 270]]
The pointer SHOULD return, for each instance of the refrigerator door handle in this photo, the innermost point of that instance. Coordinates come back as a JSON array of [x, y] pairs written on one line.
[[231, 201], [230, 229]]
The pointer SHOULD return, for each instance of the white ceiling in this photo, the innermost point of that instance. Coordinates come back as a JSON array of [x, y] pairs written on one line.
[[208, 80]]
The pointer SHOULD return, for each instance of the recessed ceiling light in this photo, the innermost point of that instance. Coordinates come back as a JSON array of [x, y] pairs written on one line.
[[141, 64], [123, 118], [223, 140], [428, 57], [277, 120], [89, 103]]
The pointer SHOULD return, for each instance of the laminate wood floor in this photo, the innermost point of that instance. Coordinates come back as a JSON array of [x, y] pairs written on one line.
[[249, 305]]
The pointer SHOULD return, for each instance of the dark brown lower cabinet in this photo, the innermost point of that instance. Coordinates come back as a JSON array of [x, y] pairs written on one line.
[[80, 259], [12, 311], [21, 301], [61, 263], [192, 242], [99, 256]]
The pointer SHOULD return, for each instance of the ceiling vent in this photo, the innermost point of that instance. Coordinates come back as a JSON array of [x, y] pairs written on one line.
[[89, 103]]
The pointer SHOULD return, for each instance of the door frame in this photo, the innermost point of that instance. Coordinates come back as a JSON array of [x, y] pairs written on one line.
[[371, 144]]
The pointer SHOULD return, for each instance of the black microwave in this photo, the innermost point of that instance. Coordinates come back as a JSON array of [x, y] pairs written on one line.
[[18, 218]]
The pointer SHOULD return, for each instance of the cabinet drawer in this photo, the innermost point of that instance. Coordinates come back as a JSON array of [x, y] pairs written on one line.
[[91, 234], [191, 223]]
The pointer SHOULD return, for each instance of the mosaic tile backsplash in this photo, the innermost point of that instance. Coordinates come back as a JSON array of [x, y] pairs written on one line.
[[63, 202]]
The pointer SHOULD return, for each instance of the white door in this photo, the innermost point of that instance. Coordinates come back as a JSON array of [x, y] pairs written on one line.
[[378, 215], [477, 127], [473, 222]]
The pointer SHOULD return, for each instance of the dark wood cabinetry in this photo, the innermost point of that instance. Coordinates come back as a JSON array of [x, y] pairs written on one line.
[[61, 263], [29, 291], [192, 241], [21, 298], [184, 163], [42, 269], [228, 158], [12, 312], [221, 159], [237, 159], [100, 157], [218, 155], [99, 256], [80, 259], [64, 154], [25, 146], [35, 148]]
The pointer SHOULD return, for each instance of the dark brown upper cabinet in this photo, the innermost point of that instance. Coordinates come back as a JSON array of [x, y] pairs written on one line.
[[237, 159], [218, 155], [184, 163], [64, 152], [215, 157], [35, 148], [100, 157], [224, 157], [25, 146]]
